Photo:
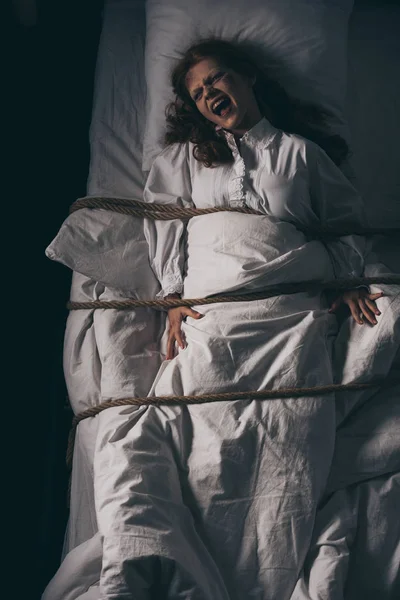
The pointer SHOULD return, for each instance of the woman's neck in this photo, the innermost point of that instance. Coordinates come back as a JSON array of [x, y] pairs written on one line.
[[248, 123], [239, 133]]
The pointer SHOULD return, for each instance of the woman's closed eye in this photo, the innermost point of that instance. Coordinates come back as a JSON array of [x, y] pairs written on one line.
[[217, 76], [197, 96]]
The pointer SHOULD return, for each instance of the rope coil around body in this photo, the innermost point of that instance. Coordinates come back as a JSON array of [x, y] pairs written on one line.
[[222, 397], [167, 212], [160, 212], [269, 292]]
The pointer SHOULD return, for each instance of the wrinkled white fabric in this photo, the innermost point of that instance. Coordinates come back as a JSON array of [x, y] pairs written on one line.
[[218, 501], [284, 176], [355, 552], [109, 353], [78, 572], [222, 497], [208, 458]]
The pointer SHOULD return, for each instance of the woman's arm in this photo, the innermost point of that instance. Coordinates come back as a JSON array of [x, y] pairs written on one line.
[[338, 206], [169, 183]]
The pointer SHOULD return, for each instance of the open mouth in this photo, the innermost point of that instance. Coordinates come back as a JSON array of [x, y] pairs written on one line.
[[221, 106]]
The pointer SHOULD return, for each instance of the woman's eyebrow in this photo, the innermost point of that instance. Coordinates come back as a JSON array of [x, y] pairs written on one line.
[[206, 80]]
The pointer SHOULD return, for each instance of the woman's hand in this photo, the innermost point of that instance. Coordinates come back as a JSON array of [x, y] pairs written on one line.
[[361, 303], [175, 317]]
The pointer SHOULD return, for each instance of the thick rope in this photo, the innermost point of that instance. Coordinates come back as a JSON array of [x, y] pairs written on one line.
[[322, 390], [166, 212], [162, 212], [269, 292]]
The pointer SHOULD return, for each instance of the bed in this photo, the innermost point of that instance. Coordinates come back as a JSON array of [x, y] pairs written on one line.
[[354, 551]]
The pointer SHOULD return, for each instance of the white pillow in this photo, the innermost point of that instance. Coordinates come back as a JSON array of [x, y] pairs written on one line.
[[107, 247], [302, 42]]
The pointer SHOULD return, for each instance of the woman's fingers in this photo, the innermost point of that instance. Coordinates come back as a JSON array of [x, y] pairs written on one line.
[[170, 347], [176, 335], [355, 312], [372, 306], [180, 338], [174, 338], [367, 312], [375, 296], [336, 304], [189, 312]]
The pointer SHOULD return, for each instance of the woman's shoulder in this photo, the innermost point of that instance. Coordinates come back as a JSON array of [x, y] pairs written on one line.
[[293, 146], [303, 147], [295, 141]]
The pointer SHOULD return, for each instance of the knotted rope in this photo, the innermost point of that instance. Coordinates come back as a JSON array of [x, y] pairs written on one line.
[[167, 212]]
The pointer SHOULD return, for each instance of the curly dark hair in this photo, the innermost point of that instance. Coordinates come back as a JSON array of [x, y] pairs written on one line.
[[186, 123]]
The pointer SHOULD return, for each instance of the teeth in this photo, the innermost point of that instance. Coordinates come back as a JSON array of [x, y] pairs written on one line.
[[217, 103]]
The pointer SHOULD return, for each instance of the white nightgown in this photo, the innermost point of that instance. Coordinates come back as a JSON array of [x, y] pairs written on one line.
[[282, 175]]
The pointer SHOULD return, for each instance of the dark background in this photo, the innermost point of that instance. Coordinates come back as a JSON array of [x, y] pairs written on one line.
[[52, 59]]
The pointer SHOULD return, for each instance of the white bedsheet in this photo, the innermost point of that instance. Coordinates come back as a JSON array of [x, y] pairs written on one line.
[[366, 556], [117, 125], [116, 135]]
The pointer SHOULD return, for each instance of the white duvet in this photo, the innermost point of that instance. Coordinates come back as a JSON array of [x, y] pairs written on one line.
[[245, 499]]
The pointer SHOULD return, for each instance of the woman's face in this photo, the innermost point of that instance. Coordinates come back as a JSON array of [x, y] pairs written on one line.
[[223, 96]]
